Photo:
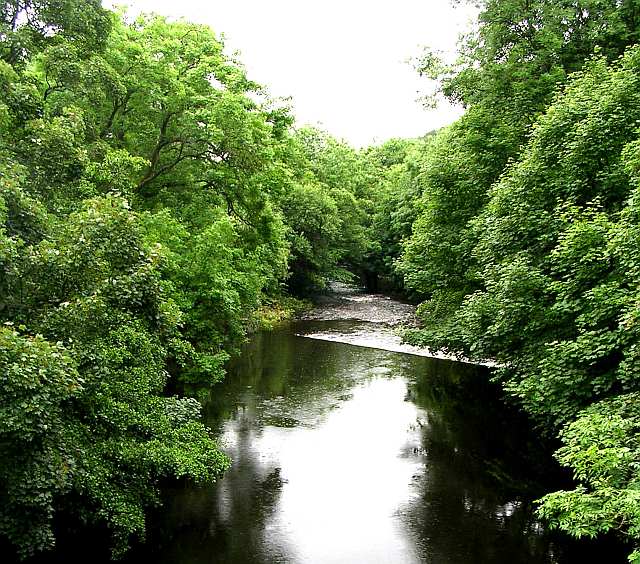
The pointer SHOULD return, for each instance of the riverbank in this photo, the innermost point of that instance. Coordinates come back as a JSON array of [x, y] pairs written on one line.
[[364, 454], [276, 311], [380, 322], [359, 453]]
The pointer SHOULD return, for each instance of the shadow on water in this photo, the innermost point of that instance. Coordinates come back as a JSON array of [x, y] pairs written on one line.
[[358, 455], [485, 466], [349, 454]]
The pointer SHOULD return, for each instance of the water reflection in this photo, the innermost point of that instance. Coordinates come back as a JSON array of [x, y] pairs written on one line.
[[355, 455], [336, 508]]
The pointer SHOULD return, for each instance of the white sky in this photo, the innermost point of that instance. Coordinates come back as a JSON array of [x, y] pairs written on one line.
[[343, 62]]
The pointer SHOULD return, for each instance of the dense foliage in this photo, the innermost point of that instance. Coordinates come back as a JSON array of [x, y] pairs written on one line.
[[152, 199], [524, 242]]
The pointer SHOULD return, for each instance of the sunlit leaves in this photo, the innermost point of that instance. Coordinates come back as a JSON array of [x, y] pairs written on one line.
[[38, 381], [602, 448]]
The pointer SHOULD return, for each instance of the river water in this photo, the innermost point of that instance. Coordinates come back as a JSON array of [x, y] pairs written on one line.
[[349, 447]]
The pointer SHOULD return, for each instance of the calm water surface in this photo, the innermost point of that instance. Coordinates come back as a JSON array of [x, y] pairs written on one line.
[[344, 453]]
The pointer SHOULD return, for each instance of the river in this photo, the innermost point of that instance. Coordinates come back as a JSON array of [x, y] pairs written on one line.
[[350, 447]]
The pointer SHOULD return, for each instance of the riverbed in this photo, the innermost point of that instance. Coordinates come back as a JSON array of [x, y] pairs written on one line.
[[348, 447]]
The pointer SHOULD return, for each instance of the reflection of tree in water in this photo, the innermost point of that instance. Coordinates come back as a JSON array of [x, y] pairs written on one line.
[[479, 458], [285, 380], [280, 381], [483, 466], [228, 522]]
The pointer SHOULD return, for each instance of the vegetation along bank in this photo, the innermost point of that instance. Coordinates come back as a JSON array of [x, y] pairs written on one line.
[[153, 201]]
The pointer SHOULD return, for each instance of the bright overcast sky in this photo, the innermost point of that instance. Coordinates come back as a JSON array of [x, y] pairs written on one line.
[[343, 62]]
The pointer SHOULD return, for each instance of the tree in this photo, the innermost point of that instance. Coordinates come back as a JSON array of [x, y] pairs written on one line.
[[28, 26], [83, 360]]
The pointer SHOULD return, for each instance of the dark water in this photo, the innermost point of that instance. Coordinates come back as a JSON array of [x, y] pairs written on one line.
[[348, 454]]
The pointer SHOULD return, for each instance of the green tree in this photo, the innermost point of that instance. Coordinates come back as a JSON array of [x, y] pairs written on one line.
[[102, 304], [557, 246], [27, 26], [83, 357], [395, 192], [509, 68], [333, 179]]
